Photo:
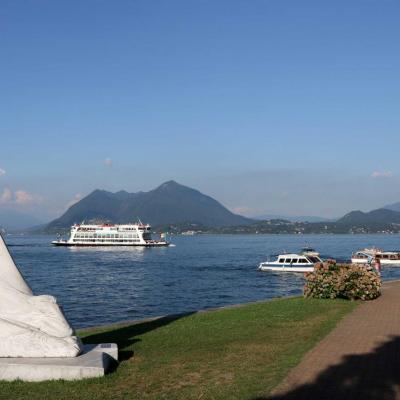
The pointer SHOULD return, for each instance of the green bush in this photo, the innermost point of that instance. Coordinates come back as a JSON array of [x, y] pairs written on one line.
[[350, 281]]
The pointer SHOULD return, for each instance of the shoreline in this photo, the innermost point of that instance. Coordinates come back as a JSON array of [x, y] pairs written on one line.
[[165, 317], [173, 316]]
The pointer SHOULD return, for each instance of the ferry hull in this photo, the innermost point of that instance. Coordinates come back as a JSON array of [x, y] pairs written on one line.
[[68, 244]]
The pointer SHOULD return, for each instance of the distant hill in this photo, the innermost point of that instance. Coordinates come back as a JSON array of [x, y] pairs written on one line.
[[170, 203], [376, 221], [393, 207], [12, 220], [379, 216]]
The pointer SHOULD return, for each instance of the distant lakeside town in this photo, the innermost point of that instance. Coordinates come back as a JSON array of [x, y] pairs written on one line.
[[280, 226]]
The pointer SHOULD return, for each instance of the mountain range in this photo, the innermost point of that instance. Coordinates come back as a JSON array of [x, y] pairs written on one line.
[[376, 221], [179, 207], [170, 203]]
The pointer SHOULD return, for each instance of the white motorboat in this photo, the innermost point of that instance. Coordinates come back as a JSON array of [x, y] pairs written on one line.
[[374, 254], [291, 263]]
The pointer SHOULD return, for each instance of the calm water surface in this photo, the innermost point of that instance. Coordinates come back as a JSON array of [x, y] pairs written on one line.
[[103, 285]]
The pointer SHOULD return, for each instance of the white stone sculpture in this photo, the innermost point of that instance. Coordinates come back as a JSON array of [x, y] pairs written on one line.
[[30, 326]]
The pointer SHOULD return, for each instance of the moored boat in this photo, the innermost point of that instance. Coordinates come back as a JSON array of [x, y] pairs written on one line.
[[111, 235], [291, 263], [374, 254]]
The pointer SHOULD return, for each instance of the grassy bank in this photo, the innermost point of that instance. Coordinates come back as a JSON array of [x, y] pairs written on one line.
[[234, 353]]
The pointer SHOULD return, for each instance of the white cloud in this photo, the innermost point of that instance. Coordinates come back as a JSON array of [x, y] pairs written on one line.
[[24, 197], [242, 210], [381, 174], [6, 196], [2, 171], [19, 197], [108, 162], [76, 198]]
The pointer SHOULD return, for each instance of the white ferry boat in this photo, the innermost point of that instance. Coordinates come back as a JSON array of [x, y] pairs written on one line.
[[111, 235], [374, 254], [291, 263]]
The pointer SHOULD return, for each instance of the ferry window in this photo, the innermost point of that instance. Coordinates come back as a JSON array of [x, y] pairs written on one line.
[[385, 256], [281, 260], [288, 260], [294, 260]]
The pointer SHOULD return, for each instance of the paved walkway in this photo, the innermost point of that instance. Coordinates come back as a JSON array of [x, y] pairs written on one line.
[[359, 359]]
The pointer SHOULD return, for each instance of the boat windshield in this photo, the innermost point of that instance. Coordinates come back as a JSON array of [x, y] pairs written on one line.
[[314, 259], [308, 249]]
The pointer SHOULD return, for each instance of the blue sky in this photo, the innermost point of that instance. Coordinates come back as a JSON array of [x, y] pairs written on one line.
[[287, 107]]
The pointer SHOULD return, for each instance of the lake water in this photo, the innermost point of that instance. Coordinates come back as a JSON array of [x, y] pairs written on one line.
[[97, 286]]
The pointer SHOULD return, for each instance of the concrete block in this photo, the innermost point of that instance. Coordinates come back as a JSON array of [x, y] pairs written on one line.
[[109, 348], [94, 362]]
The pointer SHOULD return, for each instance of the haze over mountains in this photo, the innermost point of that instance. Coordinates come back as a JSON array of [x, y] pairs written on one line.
[[293, 218], [393, 207], [14, 220], [170, 203]]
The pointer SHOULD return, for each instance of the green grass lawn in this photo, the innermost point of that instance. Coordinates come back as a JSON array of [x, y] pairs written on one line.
[[232, 353]]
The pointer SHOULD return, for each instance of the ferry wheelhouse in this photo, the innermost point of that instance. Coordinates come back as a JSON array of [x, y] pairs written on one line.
[[111, 235], [291, 263], [374, 254]]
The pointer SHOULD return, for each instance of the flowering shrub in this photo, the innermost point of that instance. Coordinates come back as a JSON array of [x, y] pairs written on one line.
[[350, 281]]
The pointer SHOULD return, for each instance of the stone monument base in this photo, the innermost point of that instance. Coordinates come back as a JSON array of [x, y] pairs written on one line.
[[95, 361]]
